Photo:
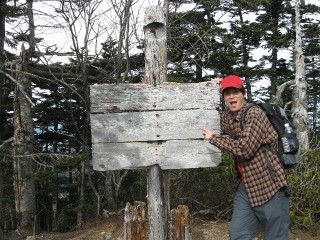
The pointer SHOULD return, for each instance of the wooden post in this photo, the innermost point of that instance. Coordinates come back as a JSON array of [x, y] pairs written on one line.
[[155, 46], [156, 74], [157, 210], [135, 221], [180, 223]]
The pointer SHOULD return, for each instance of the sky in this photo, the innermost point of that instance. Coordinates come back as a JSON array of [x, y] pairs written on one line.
[[60, 39]]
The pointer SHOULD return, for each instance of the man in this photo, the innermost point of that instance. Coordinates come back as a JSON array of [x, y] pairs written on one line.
[[260, 197]]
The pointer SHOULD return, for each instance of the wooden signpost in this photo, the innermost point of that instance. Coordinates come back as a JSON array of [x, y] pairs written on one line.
[[135, 126], [155, 125]]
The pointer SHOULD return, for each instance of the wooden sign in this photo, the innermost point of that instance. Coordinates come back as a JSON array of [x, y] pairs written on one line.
[[138, 125]]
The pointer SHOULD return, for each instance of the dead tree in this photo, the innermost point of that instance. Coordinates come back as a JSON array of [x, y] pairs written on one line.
[[24, 186], [2, 37], [299, 98]]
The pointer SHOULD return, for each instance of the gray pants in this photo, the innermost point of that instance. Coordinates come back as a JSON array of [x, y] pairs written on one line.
[[273, 217]]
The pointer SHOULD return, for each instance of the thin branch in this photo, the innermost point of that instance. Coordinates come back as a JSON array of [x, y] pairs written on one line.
[[58, 80], [57, 155], [20, 87], [276, 99], [6, 142]]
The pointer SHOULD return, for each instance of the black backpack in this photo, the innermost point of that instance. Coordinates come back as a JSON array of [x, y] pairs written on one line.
[[288, 145]]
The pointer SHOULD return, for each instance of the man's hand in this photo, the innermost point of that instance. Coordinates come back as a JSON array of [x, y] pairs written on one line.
[[217, 80], [207, 134]]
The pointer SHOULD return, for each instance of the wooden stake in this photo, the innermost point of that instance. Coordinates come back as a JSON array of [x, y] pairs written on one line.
[[135, 221], [180, 223]]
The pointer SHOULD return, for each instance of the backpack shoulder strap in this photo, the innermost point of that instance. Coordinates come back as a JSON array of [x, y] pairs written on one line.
[[244, 114], [264, 147]]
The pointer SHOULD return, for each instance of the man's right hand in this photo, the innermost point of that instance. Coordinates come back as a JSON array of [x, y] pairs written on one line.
[[217, 80]]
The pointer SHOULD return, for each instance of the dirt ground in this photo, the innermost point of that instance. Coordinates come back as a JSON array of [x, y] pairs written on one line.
[[112, 229]]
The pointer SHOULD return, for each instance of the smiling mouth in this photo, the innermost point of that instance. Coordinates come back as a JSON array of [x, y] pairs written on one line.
[[233, 103]]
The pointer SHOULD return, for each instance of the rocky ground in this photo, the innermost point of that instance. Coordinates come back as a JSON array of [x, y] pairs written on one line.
[[112, 229]]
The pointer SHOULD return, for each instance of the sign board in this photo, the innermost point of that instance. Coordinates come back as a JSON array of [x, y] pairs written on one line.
[[138, 125]]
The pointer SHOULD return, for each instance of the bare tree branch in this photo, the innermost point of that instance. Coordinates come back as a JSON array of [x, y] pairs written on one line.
[[277, 99], [20, 87], [6, 142]]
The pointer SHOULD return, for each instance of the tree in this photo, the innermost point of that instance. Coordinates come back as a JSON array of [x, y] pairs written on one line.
[[89, 17], [67, 104], [277, 34], [3, 4], [23, 147], [85, 14], [23, 138], [299, 98], [311, 49], [248, 37], [192, 44], [123, 12]]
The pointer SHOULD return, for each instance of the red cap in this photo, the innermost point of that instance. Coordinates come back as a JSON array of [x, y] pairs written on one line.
[[231, 81]]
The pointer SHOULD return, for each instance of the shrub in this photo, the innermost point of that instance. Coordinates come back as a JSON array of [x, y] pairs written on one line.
[[304, 180], [208, 190]]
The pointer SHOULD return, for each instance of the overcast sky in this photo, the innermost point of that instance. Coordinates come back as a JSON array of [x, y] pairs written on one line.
[[107, 23]]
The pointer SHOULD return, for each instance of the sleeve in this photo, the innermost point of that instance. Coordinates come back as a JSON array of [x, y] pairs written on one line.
[[251, 138], [225, 127]]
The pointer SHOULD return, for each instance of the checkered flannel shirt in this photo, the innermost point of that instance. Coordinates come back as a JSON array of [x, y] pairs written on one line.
[[247, 145]]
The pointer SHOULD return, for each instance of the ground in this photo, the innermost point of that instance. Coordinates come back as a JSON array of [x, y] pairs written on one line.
[[112, 229]]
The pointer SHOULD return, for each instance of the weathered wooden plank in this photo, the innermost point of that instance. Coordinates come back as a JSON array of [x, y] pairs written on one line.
[[152, 125], [173, 154], [142, 97]]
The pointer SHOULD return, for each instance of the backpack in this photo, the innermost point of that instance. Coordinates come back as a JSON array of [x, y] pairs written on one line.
[[288, 145]]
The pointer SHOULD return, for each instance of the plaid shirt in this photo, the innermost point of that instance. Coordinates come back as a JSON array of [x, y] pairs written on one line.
[[247, 145]]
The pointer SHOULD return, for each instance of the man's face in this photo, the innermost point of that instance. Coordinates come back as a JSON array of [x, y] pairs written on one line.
[[234, 98]]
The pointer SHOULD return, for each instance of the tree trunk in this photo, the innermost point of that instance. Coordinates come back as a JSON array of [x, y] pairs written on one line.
[[245, 57], [31, 36], [54, 211], [124, 19], [117, 179], [2, 57], [299, 100], [80, 220], [273, 74], [24, 186], [199, 67], [109, 190], [2, 37], [1, 197]]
